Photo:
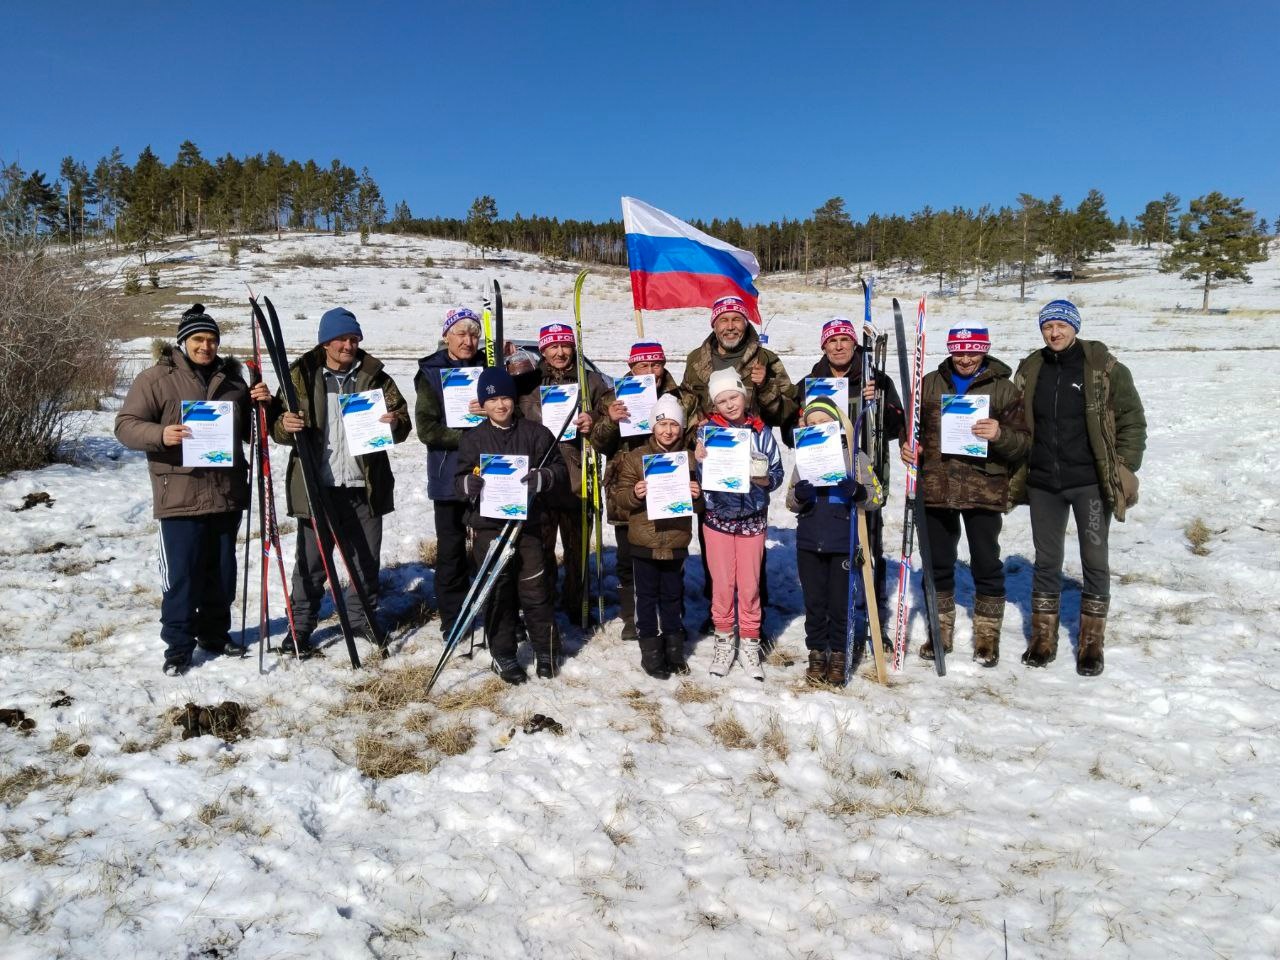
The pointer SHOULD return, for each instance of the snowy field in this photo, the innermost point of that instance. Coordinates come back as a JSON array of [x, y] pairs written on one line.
[[1033, 812]]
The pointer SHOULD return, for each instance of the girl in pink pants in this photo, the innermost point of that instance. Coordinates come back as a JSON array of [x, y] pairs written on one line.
[[734, 525]]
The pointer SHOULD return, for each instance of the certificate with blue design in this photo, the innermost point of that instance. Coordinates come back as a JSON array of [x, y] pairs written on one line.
[[819, 455], [362, 423], [639, 394], [505, 495], [458, 384], [213, 434], [560, 403], [667, 492], [959, 413], [835, 389], [727, 468]]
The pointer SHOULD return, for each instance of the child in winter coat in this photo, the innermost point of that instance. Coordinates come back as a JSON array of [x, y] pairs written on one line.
[[658, 547], [734, 525], [822, 556], [523, 584]]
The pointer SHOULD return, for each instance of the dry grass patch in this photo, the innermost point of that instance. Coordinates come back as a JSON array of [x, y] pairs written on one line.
[[730, 732], [87, 638], [650, 710], [767, 779], [381, 759], [453, 738], [1198, 534], [388, 689], [689, 692], [17, 786], [428, 552], [775, 738], [487, 695]]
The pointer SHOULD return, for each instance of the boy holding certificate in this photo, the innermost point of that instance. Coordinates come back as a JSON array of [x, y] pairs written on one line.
[[523, 584], [968, 485], [822, 547], [654, 492]]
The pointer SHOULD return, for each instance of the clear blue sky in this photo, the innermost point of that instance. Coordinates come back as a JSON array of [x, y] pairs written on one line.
[[759, 110]]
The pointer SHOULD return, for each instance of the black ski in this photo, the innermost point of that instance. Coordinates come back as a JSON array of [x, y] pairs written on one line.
[[308, 458]]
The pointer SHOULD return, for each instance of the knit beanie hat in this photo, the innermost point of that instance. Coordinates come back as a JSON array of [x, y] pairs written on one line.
[[1063, 310], [968, 339], [457, 314], [647, 352], [555, 333], [338, 322], [495, 382], [723, 381], [195, 320], [825, 405], [838, 327], [668, 408], [727, 305]]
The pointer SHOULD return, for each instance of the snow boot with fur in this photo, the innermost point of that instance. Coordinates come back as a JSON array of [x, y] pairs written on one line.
[[1044, 630], [988, 618], [946, 625], [1093, 628]]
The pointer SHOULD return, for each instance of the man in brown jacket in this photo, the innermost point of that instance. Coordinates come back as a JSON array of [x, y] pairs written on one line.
[[198, 507], [971, 486]]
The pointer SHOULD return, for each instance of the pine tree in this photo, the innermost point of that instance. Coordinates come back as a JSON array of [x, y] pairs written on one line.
[[1031, 219], [831, 229], [1218, 244], [481, 221], [370, 210]]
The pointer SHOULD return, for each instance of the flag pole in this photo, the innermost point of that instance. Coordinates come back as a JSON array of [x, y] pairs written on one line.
[[639, 325]]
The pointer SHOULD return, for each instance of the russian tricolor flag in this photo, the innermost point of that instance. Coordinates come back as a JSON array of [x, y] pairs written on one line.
[[676, 265]]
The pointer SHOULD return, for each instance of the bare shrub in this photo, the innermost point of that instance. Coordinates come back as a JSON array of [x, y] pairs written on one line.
[[57, 352]]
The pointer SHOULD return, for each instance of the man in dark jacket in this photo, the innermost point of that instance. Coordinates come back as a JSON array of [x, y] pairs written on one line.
[[973, 489], [198, 507], [1089, 432], [842, 356], [358, 490], [559, 365], [461, 337], [523, 584]]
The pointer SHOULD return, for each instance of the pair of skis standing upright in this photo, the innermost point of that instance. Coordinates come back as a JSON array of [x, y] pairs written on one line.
[[266, 330], [867, 432]]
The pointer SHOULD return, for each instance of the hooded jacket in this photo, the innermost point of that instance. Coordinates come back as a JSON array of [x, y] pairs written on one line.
[[774, 399], [1115, 424], [154, 402]]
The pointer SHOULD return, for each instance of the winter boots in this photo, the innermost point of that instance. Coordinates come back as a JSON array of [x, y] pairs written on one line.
[[653, 657], [1093, 628], [946, 625], [722, 658], [509, 669], [547, 665], [988, 617], [816, 673], [751, 660], [836, 668], [674, 646], [1044, 631]]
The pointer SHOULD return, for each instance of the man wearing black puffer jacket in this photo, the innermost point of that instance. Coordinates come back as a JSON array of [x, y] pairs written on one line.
[[1089, 432], [461, 337]]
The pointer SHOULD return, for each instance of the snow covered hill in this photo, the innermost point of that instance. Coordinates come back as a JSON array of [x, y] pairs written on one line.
[[1133, 815]]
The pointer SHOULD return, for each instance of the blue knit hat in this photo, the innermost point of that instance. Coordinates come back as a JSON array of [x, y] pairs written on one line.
[[495, 382], [1063, 310], [338, 322]]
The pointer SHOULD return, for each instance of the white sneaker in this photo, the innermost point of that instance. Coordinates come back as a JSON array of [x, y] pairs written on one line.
[[751, 657], [722, 658]]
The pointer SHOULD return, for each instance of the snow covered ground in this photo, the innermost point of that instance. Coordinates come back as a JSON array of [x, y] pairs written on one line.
[[1134, 815]]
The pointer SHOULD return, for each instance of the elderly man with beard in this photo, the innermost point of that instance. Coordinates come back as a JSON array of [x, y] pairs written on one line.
[[733, 344]]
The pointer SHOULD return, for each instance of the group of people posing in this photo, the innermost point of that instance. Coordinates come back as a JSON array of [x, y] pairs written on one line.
[[1065, 433]]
